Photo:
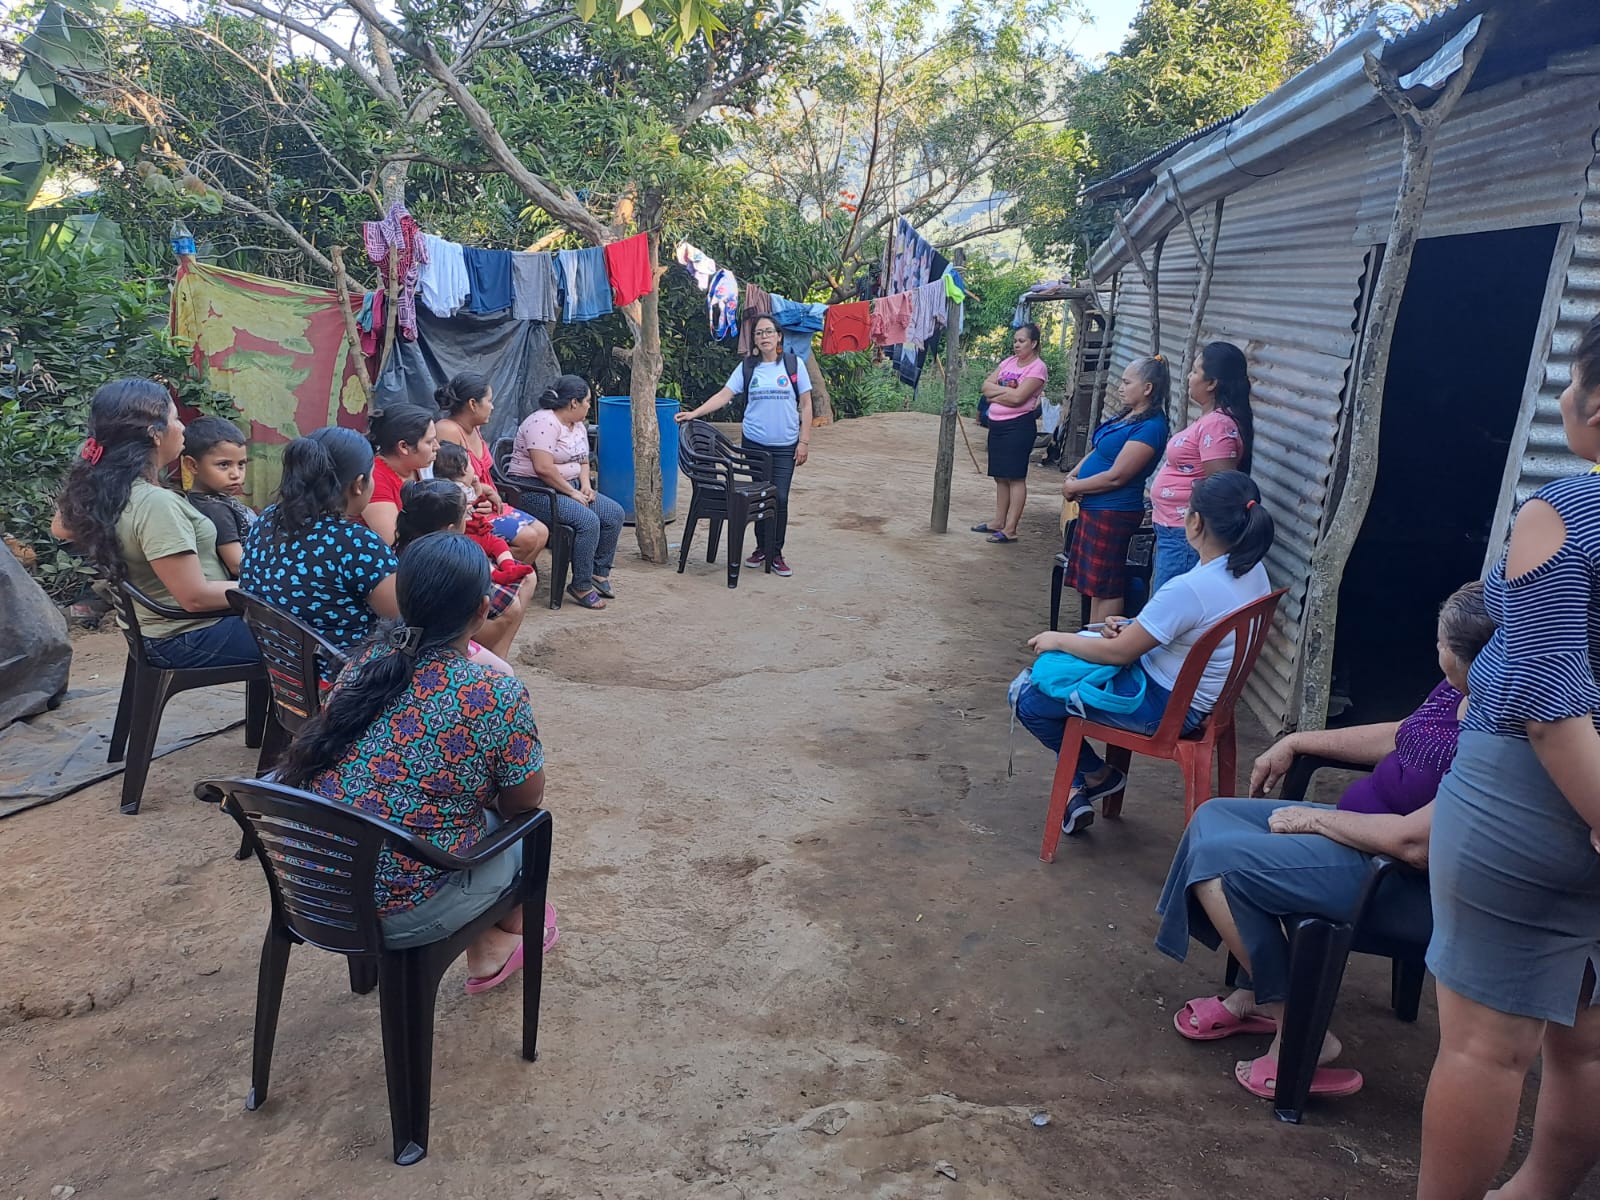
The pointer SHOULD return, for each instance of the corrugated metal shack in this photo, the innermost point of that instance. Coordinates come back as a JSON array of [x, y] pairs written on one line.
[[1504, 279]]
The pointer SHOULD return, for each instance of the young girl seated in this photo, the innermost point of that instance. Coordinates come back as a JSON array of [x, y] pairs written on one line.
[[452, 464], [431, 505], [1231, 531], [212, 473]]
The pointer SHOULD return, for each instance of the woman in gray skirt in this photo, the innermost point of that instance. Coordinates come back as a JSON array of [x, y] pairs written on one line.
[[1239, 870], [1515, 875]]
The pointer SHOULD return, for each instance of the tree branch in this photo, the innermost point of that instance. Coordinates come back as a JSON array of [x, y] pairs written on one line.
[[327, 43]]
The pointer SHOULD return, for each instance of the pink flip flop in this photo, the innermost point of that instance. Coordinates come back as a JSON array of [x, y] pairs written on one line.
[[552, 935], [1213, 1020], [1261, 1079], [512, 966]]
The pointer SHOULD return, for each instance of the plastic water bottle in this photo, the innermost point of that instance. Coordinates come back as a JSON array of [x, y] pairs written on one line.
[[182, 239]]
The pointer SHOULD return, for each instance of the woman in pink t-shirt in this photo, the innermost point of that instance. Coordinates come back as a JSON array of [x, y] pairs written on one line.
[[1012, 394], [1218, 441]]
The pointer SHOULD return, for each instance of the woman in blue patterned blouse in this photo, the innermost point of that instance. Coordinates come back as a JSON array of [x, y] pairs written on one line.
[[417, 733], [1514, 871]]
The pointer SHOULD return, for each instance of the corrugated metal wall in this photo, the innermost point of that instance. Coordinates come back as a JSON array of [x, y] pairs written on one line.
[[1294, 250], [1511, 156], [1286, 291], [1544, 455]]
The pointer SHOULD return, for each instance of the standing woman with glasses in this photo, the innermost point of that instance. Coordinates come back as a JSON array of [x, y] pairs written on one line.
[[777, 421]]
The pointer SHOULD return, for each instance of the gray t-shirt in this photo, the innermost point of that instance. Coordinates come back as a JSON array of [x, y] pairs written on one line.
[[533, 286]]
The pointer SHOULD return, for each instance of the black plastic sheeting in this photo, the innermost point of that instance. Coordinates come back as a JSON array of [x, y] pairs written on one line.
[[516, 356]]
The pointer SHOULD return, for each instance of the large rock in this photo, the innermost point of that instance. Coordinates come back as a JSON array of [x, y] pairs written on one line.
[[35, 652]]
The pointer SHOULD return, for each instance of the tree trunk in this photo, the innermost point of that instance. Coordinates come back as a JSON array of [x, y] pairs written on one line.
[[945, 459], [1419, 129], [821, 402], [648, 524]]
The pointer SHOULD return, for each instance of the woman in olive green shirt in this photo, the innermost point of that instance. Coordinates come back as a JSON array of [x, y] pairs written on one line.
[[116, 514]]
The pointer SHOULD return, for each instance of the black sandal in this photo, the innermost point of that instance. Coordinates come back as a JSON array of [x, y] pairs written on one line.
[[589, 599], [603, 586]]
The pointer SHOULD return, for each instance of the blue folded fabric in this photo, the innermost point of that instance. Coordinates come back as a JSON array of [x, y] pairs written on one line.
[[799, 322], [488, 279], [585, 284]]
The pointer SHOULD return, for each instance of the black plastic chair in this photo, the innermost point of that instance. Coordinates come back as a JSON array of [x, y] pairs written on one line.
[[731, 483], [320, 857], [1141, 565], [515, 490], [297, 659], [1319, 949], [147, 686]]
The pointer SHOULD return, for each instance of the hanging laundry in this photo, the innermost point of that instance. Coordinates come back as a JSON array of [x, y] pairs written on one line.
[[890, 316], [955, 287], [757, 303], [534, 290], [698, 264], [489, 279], [398, 232], [370, 321], [847, 328], [1022, 315], [722, 303], [799, 322], [927, 313], [907, 364], [628, 265], [913, 259], [443, 276], [585, 289]]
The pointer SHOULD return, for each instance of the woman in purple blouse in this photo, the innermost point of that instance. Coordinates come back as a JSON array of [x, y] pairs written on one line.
[[1238, 872]]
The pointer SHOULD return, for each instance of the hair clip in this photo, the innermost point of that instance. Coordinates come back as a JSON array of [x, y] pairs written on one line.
[[406, 639], [1249, 504], [91, 452]]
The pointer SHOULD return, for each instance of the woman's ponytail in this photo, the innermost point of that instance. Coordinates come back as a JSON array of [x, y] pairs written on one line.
[[440, 586], [1230, 506], [1224, 364]]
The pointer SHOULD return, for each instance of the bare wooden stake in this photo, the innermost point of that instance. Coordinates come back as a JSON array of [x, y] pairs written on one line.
[[945, 463], [1419, 128], [352, 331], [1149, 278]]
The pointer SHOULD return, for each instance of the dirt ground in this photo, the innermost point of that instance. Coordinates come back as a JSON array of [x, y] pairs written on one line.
[[808, 948]]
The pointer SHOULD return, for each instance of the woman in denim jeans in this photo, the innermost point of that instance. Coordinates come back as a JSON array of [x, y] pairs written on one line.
[[1231, 533], [1219, 440]]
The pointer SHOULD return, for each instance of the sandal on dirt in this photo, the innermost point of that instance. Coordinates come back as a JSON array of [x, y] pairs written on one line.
[[1260, 1078], [998, 536], [552, 934], [589, 599], [983, 527], [511, 967], [603, 586], [1208, 1018]]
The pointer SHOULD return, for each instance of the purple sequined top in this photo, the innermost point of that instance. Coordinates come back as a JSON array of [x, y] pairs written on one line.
[[1423, 747]]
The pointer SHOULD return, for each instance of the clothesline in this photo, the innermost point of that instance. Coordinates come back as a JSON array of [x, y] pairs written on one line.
[[583, 285]]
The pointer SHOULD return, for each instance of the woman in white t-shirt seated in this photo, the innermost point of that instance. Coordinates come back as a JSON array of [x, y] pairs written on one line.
[[552, 446], [1231, 532], [777, 421]]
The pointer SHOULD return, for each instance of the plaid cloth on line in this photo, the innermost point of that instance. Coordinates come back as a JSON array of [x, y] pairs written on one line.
[[1097, 559]]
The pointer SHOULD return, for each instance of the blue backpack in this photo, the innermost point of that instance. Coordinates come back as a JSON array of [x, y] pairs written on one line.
[[1081, 685]]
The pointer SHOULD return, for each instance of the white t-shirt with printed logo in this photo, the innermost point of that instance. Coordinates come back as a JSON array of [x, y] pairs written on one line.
[[772, 413]]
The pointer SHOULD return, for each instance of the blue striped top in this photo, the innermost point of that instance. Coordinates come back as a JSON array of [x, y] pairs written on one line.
[[1543, 662]]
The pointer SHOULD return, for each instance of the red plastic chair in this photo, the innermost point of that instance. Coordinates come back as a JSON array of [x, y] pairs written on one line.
[[1214, 740]]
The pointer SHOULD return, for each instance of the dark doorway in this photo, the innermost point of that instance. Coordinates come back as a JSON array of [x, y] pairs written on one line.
[[1463, 339]]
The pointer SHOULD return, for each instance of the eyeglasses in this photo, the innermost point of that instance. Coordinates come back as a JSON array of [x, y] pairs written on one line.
[[766, 333]]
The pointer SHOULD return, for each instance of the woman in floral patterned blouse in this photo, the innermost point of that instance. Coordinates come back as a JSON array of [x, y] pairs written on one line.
[[417, 733]]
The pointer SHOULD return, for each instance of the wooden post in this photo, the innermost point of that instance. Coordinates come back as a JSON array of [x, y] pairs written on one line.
[[352, 331], [1202, 297], [945, 463], [646, 362], [1149, 278], [1419, 128], [391, 310]]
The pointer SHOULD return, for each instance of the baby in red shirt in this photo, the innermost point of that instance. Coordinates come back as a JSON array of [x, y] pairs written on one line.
[[452, 464]]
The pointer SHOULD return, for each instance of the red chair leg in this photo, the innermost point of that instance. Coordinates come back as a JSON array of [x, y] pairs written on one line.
[[1120, 757], [1195, 759], [1061, 787], [1228, 762]]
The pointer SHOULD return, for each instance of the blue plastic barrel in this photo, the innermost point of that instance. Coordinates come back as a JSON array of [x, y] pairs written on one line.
[[616, 453]]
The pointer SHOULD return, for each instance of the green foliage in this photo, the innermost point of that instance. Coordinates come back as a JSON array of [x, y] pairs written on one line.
[[69, 321]]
